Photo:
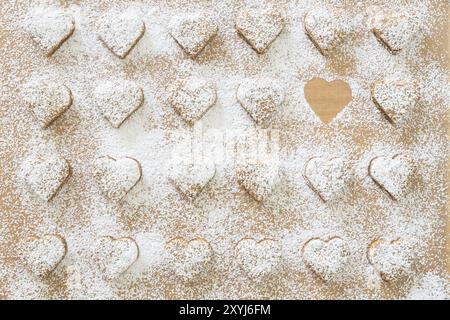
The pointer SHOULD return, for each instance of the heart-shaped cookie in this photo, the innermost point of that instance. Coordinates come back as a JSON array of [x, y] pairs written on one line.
[[46, 175], [394, 98], [114, 256], [392, 259], [115, 178], [190, 259], [192, 98], [260, 98], [259, 27], [327, 99], [324, 30], [392, 174], [117, 100], [393, 30], [42, 255], [190, 176], [47, 100], [258, 178], [193, 32], [327, 177], [327, 258], [49, 28], [259, 259], [120, 33]]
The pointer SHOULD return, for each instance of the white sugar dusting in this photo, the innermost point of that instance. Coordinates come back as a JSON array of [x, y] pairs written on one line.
[[255, 192]]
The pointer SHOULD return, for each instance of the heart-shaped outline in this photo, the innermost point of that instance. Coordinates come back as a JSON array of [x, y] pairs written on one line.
[[393, 116], [383, 275], [115, 92], [336, 32], [34, 176], [312, 185], [261, 275], [177, 246], [193, 190], [312, 87], [107, 34], [198, 41], [245, 23], [46, 17], [261, 98], [184, 98], [245, 175], [39, 94], [106, 192], [326, 241], [43, 271]]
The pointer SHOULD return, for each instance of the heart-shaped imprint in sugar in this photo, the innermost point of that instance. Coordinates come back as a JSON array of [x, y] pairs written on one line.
[[324, 30], [49, 28], [42, 255], [394, 98], [45, 175], [327, 258], [328, 177], [114, 256], [260, 98], [393, 30], [193, 32], [190, 175], [190, 259], [392, 174], [192, 98], [327, 99], [46, 99], [392, 259], [258, 178], [121, 32], [117, 100], [259, 27], [260, 260], [115, 178]]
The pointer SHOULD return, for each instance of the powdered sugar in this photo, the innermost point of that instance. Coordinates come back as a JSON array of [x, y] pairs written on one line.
[[153, 212]]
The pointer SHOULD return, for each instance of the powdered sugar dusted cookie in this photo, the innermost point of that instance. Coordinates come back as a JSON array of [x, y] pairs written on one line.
[[392, 174], [395, 98], [259, 259], [327, 258], [324, 29], [114, 256], [121, 32], [258, 178], [45, 175], [190, 176], [115, 178], [193, 32], [42, 255], [49, 27], [259, 27], [392, 259], [117, 100], [192, 98], [327, 177], [190, 259], [46, 99], [260, 98], [393, 30]]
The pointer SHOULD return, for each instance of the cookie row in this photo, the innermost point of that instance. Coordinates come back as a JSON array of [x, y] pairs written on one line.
[[329, 178], [259, 27], [191, 98], [328, 258]]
